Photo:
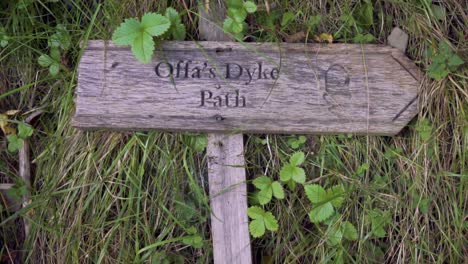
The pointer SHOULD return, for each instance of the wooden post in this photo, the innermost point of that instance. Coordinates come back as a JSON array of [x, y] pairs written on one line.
[[226, 172]]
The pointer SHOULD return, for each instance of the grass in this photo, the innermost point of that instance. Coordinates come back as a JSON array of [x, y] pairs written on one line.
[[139, 197]]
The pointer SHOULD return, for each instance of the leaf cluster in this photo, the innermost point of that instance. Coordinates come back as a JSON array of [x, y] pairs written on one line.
[[60, 40], [139, 33], [16, 141], [443, 62], [236, 14], [324, 201], [291, 173], [261, 220]]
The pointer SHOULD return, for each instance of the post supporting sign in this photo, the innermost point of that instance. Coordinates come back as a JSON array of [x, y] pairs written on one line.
[[228, 87]]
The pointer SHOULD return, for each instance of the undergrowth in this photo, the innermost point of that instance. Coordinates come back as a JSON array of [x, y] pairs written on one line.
[[142, 197]]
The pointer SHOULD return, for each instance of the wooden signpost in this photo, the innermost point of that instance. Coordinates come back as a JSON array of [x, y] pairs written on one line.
[[228, 87]]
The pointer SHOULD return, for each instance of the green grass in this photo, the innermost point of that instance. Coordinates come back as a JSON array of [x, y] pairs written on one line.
[[137, 197]]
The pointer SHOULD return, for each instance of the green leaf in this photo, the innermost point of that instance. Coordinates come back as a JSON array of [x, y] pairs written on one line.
[[287, 18], [321, 212], [455, 61], [255, 212], [195, 241], [438, 11], [54, 69], [315, 193], [155, 24], [270, 221], [257, 227], [126, 33], [200, 143], [297, 158], [143, 47], [334, 235], [264, 196], [60, 38], [178, 32], [235, 4], [289, 172], [314, 21], [173, 16], [262, 182], [14, 143], [299, 175], [55, 54], [349, 231], [250, 7], [24, 130], [227, 24], [278, 191], [335, 195], [379, 221], [45, 60], [239, 15]]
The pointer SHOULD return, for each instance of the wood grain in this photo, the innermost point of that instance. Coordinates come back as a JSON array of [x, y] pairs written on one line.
[[226, 174], [313, 88]]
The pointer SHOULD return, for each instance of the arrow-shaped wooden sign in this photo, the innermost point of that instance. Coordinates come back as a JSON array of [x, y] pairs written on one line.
[[231, 87], [257, 88]]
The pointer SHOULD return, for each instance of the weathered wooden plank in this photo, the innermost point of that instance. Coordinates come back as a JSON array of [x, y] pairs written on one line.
[[228, 199], [264, 88], [226, 173]]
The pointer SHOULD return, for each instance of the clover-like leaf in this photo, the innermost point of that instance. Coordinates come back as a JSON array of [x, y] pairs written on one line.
[[261, 220], [14, 143], [291, 171], [268, 188], [24, 130]]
